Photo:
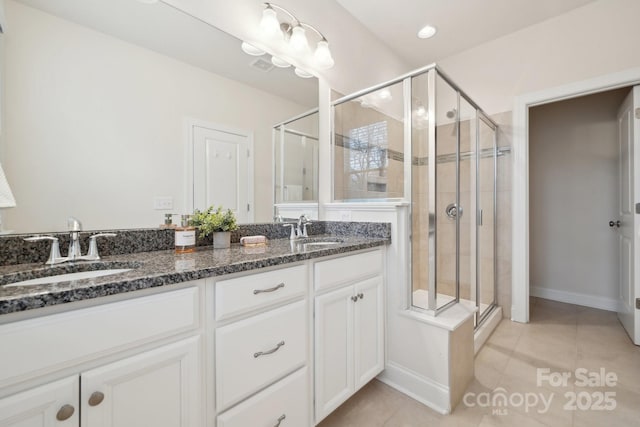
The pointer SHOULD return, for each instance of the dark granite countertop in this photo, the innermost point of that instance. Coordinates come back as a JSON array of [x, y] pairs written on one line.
[[159, 268]]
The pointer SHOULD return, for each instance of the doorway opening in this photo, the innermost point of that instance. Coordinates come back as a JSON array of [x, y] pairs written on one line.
[[574, 194]]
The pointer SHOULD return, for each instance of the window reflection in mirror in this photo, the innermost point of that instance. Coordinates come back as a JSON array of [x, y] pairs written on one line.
[[369, 146]]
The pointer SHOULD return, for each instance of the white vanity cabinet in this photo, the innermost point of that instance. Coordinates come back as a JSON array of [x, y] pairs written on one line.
[[156, 380], [48, 405], [262, 349], [349, 327]]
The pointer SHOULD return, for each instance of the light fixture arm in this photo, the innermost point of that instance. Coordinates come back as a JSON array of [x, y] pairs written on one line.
[[282, 9], [296, 21]]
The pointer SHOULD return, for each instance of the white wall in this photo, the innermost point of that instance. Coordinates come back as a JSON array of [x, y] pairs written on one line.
[[573, 163], [597, 39], [94, 126]]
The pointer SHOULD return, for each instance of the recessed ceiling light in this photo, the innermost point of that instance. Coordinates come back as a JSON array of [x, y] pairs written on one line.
[[427, 32]]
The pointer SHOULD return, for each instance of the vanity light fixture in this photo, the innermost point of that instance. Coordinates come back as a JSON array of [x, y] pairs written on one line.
[[302, 73], [250, 49], [289, 38], [427, 32], [280, 63]]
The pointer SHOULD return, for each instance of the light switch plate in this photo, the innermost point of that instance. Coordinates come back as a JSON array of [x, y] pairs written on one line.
[[163, 203]]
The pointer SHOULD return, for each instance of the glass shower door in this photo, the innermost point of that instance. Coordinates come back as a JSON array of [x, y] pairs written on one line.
[[486, 268]]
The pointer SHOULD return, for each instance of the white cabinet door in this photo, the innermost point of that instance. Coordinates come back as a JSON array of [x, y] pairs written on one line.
[[160, 388], [368, 331], [334, 350], [50, 405]]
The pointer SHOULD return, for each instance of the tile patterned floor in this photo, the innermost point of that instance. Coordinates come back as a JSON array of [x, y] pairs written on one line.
[[560, 337]]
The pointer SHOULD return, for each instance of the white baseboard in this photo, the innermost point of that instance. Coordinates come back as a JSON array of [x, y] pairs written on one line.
[[434, 395], [593, 301]]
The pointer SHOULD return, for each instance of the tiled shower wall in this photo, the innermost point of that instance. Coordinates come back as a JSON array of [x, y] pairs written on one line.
[[446, 228]]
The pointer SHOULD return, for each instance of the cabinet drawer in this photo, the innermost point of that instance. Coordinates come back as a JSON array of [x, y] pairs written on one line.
[[240, 367], [347, 269], [288, 400], [247, 293], [36, 346]]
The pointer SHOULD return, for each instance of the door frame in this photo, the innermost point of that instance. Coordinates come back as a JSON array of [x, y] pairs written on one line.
[[189, 124], [520, 167]]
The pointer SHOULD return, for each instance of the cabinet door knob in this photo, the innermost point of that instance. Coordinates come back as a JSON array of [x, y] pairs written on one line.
[[354, 298], [361, 295], [280, 419], [96, 398], [65, 412]]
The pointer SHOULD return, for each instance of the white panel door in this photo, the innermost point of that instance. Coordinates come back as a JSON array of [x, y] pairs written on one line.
[[368, 331], [629, 225], [333, 350], [50, 405], [221, 173], [159, 388]]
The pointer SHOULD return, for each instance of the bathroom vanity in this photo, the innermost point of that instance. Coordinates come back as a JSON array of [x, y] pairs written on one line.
[[234, 337]]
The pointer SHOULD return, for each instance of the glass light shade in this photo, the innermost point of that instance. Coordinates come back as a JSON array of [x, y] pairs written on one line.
[[298, 41], [302, 73], [269, 25], [384, 95], [281, 63], [250, 49], [322, 56]]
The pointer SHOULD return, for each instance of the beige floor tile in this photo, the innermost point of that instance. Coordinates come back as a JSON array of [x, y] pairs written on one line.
[[625, 414], [371, 406], [560, 337]]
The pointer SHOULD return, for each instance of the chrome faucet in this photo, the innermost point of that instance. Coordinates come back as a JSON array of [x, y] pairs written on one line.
[[75, 227], [74, 254], [303, 221], [300, 229]]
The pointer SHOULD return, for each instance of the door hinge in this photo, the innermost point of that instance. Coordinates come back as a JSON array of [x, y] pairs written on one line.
[[638, 303], [248, 207], [637, 113], [248, 153]]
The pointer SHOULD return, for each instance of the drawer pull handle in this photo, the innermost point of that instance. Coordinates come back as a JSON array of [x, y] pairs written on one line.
[[65, 412], [361, 295], [354, 298], [273, 350], [275, 288], [280, 419], [96, 398]]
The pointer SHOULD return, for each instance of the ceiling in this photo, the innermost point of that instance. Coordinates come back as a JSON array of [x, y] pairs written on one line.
[[173, 33], [461, 24]]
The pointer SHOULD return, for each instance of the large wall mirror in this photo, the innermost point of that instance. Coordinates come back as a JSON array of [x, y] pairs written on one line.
[[106, 105]]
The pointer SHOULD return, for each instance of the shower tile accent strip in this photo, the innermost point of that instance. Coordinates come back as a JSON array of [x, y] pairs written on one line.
[[14, 250]]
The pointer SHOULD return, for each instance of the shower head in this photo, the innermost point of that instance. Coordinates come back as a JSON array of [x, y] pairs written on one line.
[[451, 113]]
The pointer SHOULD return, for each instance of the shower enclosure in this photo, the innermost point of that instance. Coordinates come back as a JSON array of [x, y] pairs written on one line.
[[295, 160], [419, 138]]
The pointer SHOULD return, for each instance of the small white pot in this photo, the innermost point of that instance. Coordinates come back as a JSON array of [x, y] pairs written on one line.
[[221, 240]]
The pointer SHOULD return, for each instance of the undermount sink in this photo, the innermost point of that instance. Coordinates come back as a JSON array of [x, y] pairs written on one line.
[[311, 244], [322, 242], [68, 277], [66, 273]]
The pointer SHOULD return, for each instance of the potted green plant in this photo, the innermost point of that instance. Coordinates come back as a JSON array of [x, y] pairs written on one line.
[[216, 221]]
